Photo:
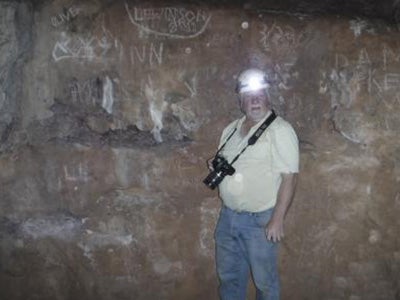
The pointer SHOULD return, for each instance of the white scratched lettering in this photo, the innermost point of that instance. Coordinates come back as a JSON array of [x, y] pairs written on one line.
[[389, 55], [391, 81], [64, 16], [80, 48], [147, 54], [78, 173], [172, 22]]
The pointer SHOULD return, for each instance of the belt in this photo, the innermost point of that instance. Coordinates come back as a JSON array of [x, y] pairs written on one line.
[[244, 212]]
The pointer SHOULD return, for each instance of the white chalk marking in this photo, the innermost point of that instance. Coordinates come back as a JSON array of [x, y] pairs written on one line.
[[156, 107], [170, 35], [108, 98], [62, 17], [80, 48], [192, 88], [158, 55], [391, 81], [77, 174], [346, 136], [363, 57], [140, 57], [357, 26], [387, 54], [154, 55]]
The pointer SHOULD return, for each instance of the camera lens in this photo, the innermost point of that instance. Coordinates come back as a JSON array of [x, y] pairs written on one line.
[[213, 179]]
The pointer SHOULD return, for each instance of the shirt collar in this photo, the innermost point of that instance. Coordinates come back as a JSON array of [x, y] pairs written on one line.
[[242, 119]]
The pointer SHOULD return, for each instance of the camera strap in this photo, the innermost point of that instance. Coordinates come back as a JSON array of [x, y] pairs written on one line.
[[253, 139]]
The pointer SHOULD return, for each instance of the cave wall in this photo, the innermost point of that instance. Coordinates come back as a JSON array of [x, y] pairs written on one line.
[[109, 110]]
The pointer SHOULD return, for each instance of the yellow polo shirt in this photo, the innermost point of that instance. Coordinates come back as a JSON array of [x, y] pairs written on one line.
[[255, 184]]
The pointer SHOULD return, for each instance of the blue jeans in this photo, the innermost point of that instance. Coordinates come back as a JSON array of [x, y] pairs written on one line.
[[242, 248]]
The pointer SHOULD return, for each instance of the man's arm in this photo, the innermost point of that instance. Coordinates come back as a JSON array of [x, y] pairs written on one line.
[[274, 229]]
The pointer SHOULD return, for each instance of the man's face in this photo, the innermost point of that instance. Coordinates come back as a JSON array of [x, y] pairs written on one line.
[[254, 104]]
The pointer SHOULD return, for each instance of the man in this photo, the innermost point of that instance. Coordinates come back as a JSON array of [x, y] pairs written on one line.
[[257, 196]]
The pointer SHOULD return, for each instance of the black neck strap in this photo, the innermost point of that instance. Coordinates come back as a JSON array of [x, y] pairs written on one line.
[[253, 139]]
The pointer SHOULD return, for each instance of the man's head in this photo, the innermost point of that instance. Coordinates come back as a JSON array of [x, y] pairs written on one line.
[[252, 89]]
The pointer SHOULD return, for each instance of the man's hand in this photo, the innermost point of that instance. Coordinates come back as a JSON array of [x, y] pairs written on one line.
[[274, 230], [209, 164]]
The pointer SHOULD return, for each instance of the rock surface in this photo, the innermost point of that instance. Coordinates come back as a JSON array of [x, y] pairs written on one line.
[[109, 110]]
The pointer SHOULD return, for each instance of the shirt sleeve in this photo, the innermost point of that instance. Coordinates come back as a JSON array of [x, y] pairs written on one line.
[[285, 150]]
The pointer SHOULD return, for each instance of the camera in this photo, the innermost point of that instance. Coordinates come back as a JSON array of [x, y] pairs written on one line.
[[221, 169]]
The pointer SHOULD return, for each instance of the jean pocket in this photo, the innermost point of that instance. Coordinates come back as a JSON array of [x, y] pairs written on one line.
[[263, 218]]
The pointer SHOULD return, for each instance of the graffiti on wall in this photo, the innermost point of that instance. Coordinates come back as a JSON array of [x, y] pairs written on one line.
[[79, 47], [372, 76], [157, 106], [87, 92], [93, 92], [147, 54], [65, 16], [369, 75], [172, 22], [76, 173], [285, 38], [358, 26]]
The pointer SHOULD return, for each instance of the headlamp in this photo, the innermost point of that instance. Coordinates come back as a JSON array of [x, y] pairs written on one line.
[[252, 80], [255, 83]]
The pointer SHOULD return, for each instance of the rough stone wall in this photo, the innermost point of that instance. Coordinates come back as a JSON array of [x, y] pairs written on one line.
[[109, 109]]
